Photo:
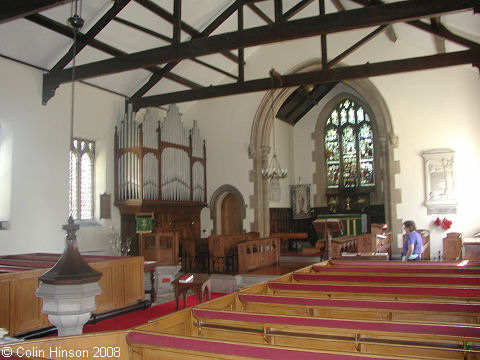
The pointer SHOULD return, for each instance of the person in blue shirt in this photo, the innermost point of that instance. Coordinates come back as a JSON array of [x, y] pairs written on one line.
[[412, 247]]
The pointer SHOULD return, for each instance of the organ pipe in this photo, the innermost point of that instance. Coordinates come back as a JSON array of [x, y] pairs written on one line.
[[168, 162]]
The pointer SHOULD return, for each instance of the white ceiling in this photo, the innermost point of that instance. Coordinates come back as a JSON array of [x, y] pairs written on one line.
[[33, 44]]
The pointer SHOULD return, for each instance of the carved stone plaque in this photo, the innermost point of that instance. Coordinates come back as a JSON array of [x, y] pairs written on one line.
[[439, 181]]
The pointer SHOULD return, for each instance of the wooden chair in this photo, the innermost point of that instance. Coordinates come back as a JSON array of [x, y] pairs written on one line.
[[452, 246]]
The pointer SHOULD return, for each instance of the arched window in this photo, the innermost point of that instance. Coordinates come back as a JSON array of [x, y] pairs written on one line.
[[82, 157], [349, 147]]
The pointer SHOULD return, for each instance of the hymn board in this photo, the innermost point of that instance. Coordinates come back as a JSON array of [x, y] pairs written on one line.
[[160, 169]]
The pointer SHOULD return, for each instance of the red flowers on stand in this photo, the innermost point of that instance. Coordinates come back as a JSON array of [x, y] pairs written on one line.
[[445, 223]]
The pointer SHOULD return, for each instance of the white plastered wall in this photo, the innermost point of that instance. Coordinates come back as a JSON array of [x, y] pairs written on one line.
[[39, 171], [430, 109]]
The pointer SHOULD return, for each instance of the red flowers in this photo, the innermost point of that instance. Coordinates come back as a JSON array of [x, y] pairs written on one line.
[[445, 223]]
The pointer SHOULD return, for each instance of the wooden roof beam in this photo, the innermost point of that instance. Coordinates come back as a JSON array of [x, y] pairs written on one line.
[[260, 14], [290, 30], [90, 34], [164, 14], [442, 31], [177, 25], [316, 77], [294, 10], [439, 41], [169, 40], [15, 9], [67, 31]]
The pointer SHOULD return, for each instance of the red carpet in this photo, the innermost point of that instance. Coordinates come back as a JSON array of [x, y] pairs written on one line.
[[141, 316]]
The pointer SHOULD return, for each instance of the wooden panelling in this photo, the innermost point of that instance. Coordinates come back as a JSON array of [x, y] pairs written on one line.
[[133, 281], [452, 247], [25, 307], [122, 285], [182, 219], [258, 253], [4, 303], [106, 300]]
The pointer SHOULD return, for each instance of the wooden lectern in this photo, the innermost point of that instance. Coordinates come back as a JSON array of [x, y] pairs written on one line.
[[327, 228]]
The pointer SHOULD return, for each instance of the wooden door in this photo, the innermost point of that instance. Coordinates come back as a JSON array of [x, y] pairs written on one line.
[[230, 216]]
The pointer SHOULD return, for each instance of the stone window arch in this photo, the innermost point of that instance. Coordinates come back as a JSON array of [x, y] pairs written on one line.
[[259, 149]]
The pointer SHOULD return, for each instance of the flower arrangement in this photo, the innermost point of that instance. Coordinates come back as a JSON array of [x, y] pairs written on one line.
[[445, 224]]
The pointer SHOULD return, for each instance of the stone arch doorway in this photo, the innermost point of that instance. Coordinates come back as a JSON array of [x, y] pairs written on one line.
[[227, 210], [259, 148]]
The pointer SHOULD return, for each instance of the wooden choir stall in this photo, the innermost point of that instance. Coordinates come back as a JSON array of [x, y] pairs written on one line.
[[160, 169]]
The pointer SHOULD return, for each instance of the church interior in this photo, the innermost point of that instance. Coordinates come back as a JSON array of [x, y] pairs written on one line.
[[271, 148]]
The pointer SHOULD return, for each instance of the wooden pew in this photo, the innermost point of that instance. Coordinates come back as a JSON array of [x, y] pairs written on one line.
[[424, 293], [159, 346], [414, 280], [359, 309], [395, 270], [107, 345], [290, 318], [413, 264], [441, 341]]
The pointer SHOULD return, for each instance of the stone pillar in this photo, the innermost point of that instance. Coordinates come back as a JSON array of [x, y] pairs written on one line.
[[265, 194]]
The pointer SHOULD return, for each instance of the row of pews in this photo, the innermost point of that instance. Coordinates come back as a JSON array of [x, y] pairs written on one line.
[[334, 310]]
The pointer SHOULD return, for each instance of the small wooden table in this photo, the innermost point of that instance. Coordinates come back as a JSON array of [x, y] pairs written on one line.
[[199, 285]]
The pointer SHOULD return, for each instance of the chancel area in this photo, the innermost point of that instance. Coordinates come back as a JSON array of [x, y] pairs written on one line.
[[273, 149]]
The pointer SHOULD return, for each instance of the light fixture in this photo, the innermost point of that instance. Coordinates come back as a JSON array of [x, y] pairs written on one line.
[[274, 170], [76, 22]]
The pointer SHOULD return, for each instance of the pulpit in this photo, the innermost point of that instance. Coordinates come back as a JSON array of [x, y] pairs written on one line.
[[160, 246], [327, 228]]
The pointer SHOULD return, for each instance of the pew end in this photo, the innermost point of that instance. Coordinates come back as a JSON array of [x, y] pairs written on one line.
[[88, 346]]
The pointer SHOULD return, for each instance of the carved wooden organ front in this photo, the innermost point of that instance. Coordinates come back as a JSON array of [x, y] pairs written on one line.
[[160, 169], [159, 161]]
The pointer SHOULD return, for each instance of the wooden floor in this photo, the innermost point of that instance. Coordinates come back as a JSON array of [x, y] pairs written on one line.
[[280, 268]]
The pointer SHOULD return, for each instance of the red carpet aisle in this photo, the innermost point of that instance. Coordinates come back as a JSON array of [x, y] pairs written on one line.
[[141, 316]]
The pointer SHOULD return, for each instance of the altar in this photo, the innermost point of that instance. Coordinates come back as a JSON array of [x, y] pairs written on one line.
[[353, 224]]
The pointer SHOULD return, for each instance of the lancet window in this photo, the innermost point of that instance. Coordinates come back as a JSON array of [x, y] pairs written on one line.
[[349, 149], [82, 162]]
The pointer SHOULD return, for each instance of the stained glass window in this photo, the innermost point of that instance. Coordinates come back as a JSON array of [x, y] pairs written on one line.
[[82, 161], [349, 146]]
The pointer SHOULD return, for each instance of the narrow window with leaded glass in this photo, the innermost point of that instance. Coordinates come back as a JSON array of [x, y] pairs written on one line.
[[349, 150], [82, 162]]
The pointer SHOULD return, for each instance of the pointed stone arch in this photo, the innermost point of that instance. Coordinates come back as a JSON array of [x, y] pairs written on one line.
[[259, 148], [216, 204]]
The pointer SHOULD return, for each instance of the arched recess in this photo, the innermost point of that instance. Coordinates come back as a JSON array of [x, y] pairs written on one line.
[[215, 206], [259, 148]]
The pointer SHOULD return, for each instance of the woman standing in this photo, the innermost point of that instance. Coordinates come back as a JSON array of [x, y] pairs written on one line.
[[412, 246]]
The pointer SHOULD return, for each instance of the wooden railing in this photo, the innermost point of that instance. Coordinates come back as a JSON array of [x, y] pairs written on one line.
[[225, 245], [362, 244], [254, 254]]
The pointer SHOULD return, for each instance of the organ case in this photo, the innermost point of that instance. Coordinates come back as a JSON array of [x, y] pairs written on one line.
[[160, 167]]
